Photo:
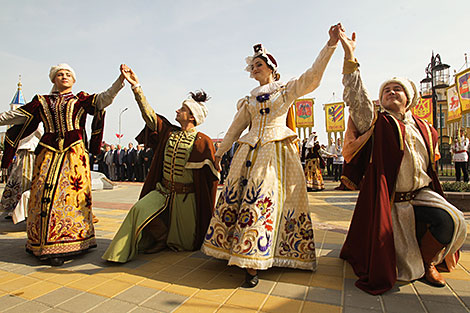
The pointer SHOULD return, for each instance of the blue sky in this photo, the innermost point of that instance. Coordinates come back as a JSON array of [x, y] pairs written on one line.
[[179, 46]]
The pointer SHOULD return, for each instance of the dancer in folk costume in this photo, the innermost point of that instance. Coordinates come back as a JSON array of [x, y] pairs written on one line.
[[402, 227], [311, 155], [178, 195], [262, 217], [19, 180], [59, 210]]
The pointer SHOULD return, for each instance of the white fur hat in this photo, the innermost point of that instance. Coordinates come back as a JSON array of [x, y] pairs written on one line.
[[62, 66], [198, 109], [408, 86]]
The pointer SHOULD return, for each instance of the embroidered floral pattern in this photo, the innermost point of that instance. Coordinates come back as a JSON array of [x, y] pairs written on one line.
[[68, 214], [246, 218], [229, 217]]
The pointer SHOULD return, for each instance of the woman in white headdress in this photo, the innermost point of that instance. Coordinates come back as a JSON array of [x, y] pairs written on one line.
[[261, 218], [59, 210]]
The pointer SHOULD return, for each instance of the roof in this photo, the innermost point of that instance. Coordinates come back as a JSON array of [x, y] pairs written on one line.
[[18, 98]]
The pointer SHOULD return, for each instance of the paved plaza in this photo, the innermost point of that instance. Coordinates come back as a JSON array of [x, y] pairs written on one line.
[[192, 282]]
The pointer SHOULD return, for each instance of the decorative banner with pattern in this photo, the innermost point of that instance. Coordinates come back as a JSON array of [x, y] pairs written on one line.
[[304, 112], [453, 104], [334, 117], [423, 109], [462, 80]]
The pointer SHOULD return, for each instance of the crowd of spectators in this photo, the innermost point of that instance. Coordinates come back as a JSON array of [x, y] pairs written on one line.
[[120, 163]]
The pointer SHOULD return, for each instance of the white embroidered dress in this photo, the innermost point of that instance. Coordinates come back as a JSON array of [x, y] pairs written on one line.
[[262, 218]]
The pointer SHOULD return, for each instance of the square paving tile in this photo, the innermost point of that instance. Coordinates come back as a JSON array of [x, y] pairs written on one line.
[[292, 291], [310, 307], [110, 288], [37, 290], [460, 285], [434, 294], [402, 298], [18, 283], [29, 307], [114, 306], [226, 308], [134, 263], [439, 307], [299, 277], [141, 309], [58, 296], [353, 309], [9, 301], [182, 290], [164, 301], [354, 297], [214, 295], [325, 281], [324, 295], [281, 305], [81, 303], [197, 305], [264, 286], [88, 282], [136, 294], [246, 299], [154, 284]]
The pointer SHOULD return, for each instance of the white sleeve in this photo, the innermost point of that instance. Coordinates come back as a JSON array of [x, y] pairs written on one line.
[[105, 98], [310, 80]]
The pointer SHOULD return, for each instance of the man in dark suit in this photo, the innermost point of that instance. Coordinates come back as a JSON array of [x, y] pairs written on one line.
[[139, 164], [131, 157], [118, 161]]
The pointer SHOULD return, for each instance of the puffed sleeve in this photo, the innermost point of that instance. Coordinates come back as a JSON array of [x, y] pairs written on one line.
[[239, 124], [310, 80]]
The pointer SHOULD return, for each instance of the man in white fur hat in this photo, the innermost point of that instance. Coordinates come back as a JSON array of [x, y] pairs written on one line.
[[402, 227], [178, 195]]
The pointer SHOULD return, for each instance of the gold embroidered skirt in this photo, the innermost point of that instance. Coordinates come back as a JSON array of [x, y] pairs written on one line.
[[59, 211]]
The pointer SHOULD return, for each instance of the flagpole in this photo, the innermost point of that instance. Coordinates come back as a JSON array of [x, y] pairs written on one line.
[[120, 114]]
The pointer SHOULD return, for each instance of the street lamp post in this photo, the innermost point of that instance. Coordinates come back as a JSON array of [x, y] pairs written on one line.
[[437, 76], [120, 114]]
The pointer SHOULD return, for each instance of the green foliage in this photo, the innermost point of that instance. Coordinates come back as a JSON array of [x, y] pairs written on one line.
[[456, 186]]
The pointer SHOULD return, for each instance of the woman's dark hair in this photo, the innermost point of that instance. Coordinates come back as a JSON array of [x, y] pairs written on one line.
[[276, 75], [199, 96]]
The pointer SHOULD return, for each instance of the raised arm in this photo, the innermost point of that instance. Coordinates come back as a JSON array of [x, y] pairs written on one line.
[[239, 124], [105, 98], [310, 80], [355, 95], [148, 114]]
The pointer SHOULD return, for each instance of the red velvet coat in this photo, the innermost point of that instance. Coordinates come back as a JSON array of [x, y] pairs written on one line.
[[369, 245], [65, 119]]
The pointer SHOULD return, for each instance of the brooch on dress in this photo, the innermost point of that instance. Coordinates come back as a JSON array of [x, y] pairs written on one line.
[[263, 97], [264, 111]]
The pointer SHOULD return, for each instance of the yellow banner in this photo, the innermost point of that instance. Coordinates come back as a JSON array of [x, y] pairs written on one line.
[[462, 80], [304, 112], [334, 117], [453, 104], [423, 109]]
